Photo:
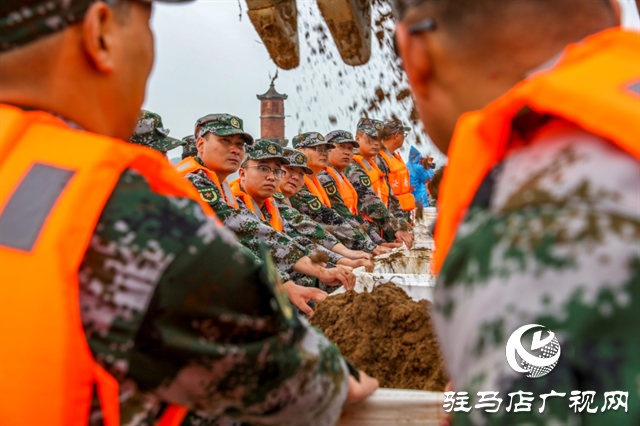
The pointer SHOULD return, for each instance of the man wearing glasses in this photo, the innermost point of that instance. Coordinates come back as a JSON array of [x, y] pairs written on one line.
[[313, 201], [527, 98]]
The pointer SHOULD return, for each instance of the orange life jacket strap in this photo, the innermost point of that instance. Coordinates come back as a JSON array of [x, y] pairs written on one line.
[[346, 190], [378, 183], [317, 190], [190, 165], [173, 415], [276, 219]]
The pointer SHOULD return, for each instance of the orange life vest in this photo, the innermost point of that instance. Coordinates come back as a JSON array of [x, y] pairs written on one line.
[[318, 190], [399, 179], [378, 183], [190, 165], [270, 204], [595, 85], [347, 191], [55, 182]]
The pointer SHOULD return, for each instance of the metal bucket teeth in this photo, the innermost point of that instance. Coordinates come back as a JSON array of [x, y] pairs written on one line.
[[350, 24], [276, 22]]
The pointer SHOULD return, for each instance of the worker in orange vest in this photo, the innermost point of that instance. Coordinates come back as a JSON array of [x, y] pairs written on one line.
[[401, 201], [372, 188], [118, 284], [537, 106]]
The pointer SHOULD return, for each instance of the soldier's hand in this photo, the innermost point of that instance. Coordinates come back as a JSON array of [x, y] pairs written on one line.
[[358, 254], [340, 275], [391, 245], [358, 391], [406, 237], [368, 264], [300, 295], [381, 250]]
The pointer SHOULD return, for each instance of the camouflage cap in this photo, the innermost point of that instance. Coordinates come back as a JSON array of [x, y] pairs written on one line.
[[190, 147], [150, 132], [265, 150], [222, 125], [308, 140], [297, 159], [24, 21], [370, 126], [342, 136], [391, 127]]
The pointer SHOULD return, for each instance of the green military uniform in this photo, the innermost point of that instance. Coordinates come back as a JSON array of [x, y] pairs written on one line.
[[151, 133], [308, 204], [249, 230], [368, 201], [551, 238], [337, 203]]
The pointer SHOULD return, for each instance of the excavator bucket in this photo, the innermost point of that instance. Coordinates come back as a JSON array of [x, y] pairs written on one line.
[[276, 22], [350, 24]]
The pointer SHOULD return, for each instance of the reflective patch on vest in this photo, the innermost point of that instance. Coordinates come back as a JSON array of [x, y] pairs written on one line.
[[182, 167], [279, 195], [29, 206], [228, 193], [330, 187], [365, 180], [208, 194], [635, 87], [315, 204]]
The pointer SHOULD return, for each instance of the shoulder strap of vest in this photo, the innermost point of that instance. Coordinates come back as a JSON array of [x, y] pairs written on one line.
[[237, 191], [360, 160]]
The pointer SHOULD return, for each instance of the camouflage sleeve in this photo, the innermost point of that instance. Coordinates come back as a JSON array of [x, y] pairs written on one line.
[[368, 202], [308, 204], [247, 227], [548, 241], [306, 226], [159, 288]]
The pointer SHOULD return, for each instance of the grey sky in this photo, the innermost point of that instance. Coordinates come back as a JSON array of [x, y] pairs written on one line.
[[209, 61]]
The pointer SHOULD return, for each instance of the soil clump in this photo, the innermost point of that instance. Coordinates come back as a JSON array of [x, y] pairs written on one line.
[[386, 334]]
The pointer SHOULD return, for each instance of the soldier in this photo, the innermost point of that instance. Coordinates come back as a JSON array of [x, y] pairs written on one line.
[[373, 191], [313, 200], [117, 283], [260, 175], [527, 231], [401, 201], [221, 142], [343, 197], [290, 184], [150, 132], [190, 148]]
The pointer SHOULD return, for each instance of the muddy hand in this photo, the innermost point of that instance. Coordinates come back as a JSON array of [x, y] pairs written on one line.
[[358, 391], [300, 295]]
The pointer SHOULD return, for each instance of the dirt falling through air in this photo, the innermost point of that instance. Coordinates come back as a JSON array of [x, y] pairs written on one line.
[[386, 334]]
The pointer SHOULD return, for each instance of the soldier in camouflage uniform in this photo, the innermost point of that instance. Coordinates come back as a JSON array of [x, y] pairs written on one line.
[[221, 144], [304, 225], [392, 130], [314, 146], [369, 203], [551, 232], [160, 279], [151, 133], [189, 149], [339, 157]]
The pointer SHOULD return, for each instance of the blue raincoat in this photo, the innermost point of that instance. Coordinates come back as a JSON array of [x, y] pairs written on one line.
[[419, 177]]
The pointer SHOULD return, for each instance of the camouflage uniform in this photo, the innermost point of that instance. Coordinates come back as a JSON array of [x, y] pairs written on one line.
[[338, 204], [551, 238], [368, 201], [150, 132], [308, 204], [249, 230]]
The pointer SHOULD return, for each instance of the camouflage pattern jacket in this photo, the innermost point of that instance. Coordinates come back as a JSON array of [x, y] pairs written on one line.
[[337, 204], [248, 228], [308, 204], [552, 238], [159, 287], [370, 204]]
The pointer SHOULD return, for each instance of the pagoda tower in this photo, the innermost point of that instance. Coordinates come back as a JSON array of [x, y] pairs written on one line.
[[272, 115]]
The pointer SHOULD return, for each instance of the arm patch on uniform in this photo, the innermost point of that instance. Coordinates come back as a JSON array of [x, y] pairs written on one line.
[[365, 180], [314, 204], [279, 195], [330, 187], [208, 194]]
